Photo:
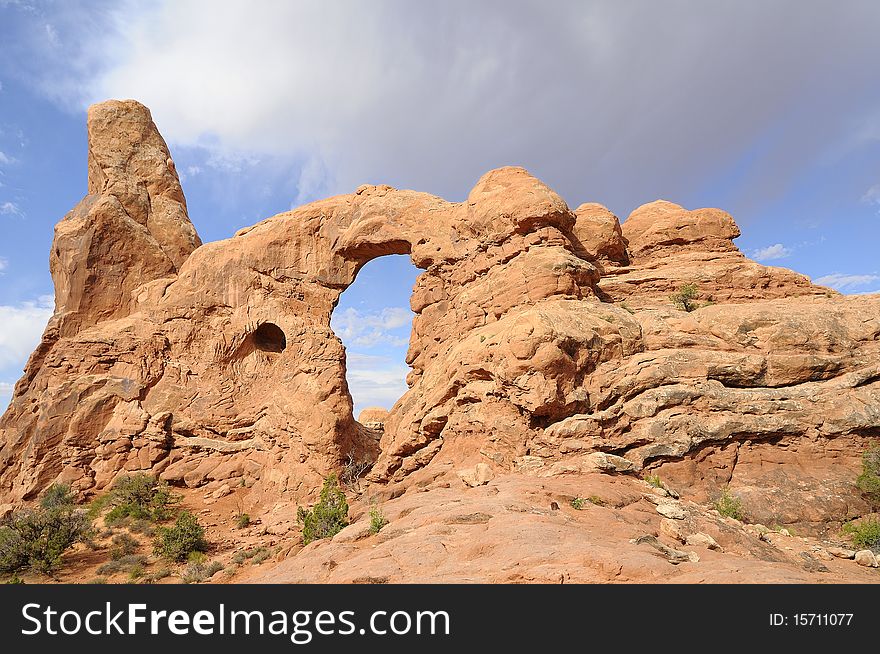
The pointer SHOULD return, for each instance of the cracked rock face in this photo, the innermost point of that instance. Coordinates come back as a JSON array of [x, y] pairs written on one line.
[[542, 336]]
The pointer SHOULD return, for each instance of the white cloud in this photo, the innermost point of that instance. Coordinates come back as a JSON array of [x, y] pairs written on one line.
[[777, 251], [370, 329], [431, 95], [844, 283], [10, 209], [52, 36], [872, 195], [375, 380], [5, 159], [21, 327], [4, 264]]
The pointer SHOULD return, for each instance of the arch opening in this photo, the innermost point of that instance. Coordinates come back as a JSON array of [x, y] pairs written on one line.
[[374, 321], [269, 337]]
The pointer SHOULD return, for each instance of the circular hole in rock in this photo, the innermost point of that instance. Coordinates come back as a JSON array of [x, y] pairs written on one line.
[[268, 337]]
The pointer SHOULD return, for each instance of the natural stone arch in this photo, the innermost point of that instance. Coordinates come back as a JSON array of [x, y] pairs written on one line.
[[149, 361]]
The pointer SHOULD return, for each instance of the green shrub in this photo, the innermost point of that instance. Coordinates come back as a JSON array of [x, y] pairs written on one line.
[[685, 298], [240, 557], [377, 520], [254, 554], [141, 497], [328, 517], [260, 555], [144, 527], [580, 503], [36, 538], [243, 520], [869, 480], [176, 543], [730, 506], [654, 480], [57, 496], [865, 533], [136, 572], [198, 572], [129, 563], [159, 574], [123, 545]]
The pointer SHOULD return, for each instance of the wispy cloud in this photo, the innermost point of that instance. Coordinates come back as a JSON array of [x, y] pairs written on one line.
[[4, 264], [21, 326], [10, 209], [375, 380], [52, 36], [872, 196], [369, 329], [5, 159], [843, 282], [771, 252]]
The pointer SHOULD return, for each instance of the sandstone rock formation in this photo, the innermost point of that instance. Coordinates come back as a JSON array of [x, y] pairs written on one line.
[[544, 344]]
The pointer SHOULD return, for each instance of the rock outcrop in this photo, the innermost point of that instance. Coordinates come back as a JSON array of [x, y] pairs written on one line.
[[544, 344]]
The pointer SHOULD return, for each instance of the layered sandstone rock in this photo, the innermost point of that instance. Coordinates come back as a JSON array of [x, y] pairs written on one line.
[[669, 247], [544, 344]]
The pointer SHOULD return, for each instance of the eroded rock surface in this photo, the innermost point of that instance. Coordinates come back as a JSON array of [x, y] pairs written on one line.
[[544, 345]]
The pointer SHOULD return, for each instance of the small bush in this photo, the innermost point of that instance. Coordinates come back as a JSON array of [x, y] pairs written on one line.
[[57, 496], [240, 557], [36, 538], [377, 520], [685, 298], [654, 480], [328, 517], [580, 503], [129, 563], [178, 542], [864, 533], [242, 521], [869, 480], [195, 573], [158, 575], [142, 527], [136, 572], [260, 555], [141, 497], [123, 545], [730, 506], [352, 472]]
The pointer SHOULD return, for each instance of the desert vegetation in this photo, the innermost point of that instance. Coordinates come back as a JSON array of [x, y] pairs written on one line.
[[35, 539], [729, 505], [177, 542], [377, 519], [326, 518], [864, 533], [686, 297], [869, 480]]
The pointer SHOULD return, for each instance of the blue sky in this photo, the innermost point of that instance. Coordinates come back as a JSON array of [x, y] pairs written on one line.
[[768, 110]]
